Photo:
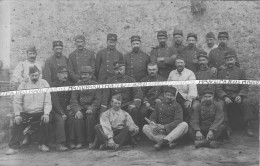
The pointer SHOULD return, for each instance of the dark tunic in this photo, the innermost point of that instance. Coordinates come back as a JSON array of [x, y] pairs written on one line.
[[179, 48], [169, 115], [217, 57], [136, 64], [86, 99], [207, 117], [78, 59], [190, 57], [130, 95], [151, 93], [104, 63], [169, 54], [49, 72], [205, 74], [232, 90]]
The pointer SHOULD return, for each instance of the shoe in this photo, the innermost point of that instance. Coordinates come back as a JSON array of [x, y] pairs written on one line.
[[160, 144], [92, 145], [113, 146], [11, 151], [26, 140], [44, 148], [200, 143], [72, 146], [62, 148], [213, 144], [172, 145], [103, 147], [249, 132], [79, 146]]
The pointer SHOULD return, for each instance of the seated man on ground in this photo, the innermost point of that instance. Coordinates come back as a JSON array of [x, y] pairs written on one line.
[[166, 122], [116, 127], [31, 108], [206, 125]]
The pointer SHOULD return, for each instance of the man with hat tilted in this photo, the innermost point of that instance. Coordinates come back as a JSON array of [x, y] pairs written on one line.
[[81, 56], [185, 93], [178, 40], [116, 126], [206, 125], [190, 52], [163, 55], [203, 73], [234, 95], [29, 108], [105, 59], [216, 55], [136, 61], [50, 69], [131, 96], [84, 105], [211, 42], [21, 71], [60, 109], [166, 124]]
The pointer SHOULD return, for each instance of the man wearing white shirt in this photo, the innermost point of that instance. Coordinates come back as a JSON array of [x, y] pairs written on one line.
[[185, 93]]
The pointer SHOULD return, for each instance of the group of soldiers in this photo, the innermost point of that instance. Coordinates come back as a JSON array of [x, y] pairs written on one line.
[[111, 118]]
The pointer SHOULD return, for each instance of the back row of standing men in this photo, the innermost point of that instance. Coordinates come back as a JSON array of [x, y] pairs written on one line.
[[110, 66]]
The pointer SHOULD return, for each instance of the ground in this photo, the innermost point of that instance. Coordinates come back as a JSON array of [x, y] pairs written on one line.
[[239, 151]]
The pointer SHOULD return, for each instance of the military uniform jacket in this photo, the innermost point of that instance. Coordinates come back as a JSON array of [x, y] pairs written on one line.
[[130, 95], [207, 117], [205, 74], [136, 64], [169, 115], [104, 63], [217, 57], [232, 90], [60, 100], [179, 48], [169, 54], [78, 59], [190, 56], [86, 99], [151, 93], [49, 72]]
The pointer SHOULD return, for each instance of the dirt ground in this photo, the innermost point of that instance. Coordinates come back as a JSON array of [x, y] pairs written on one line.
[[239, 151]]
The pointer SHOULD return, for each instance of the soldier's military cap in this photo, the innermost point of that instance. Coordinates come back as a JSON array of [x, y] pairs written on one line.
[[210, 35], [117, 64], [57, 43], [230, 54], [81, 37], [162, 33], [62, 69], [86, 69], [223, 34], [207, 90], [202, 54], [33, 69], [177, 32], [111, 36], [117, 97], [192, 35], [170, 89], [31, 49], [135, 38]]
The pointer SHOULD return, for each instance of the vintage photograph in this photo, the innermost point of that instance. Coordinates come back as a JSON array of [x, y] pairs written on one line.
[[66, 65]]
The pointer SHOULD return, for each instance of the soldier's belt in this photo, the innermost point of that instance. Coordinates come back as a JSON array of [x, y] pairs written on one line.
[[127, 85]]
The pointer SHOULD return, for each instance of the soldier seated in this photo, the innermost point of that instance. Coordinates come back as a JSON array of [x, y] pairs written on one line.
[[206, 126], [235, 96], [116, 126], [31, 108], [166, 122]]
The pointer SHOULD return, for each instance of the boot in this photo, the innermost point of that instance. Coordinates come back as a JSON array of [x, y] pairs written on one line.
[[213, 144], [160, 144], [249, 130], [61, 148], [201, 143]]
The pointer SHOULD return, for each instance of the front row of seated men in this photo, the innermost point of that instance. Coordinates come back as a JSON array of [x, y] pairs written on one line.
[[111, 118]]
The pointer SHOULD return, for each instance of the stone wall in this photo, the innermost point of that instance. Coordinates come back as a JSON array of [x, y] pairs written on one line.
[[42, 21]]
